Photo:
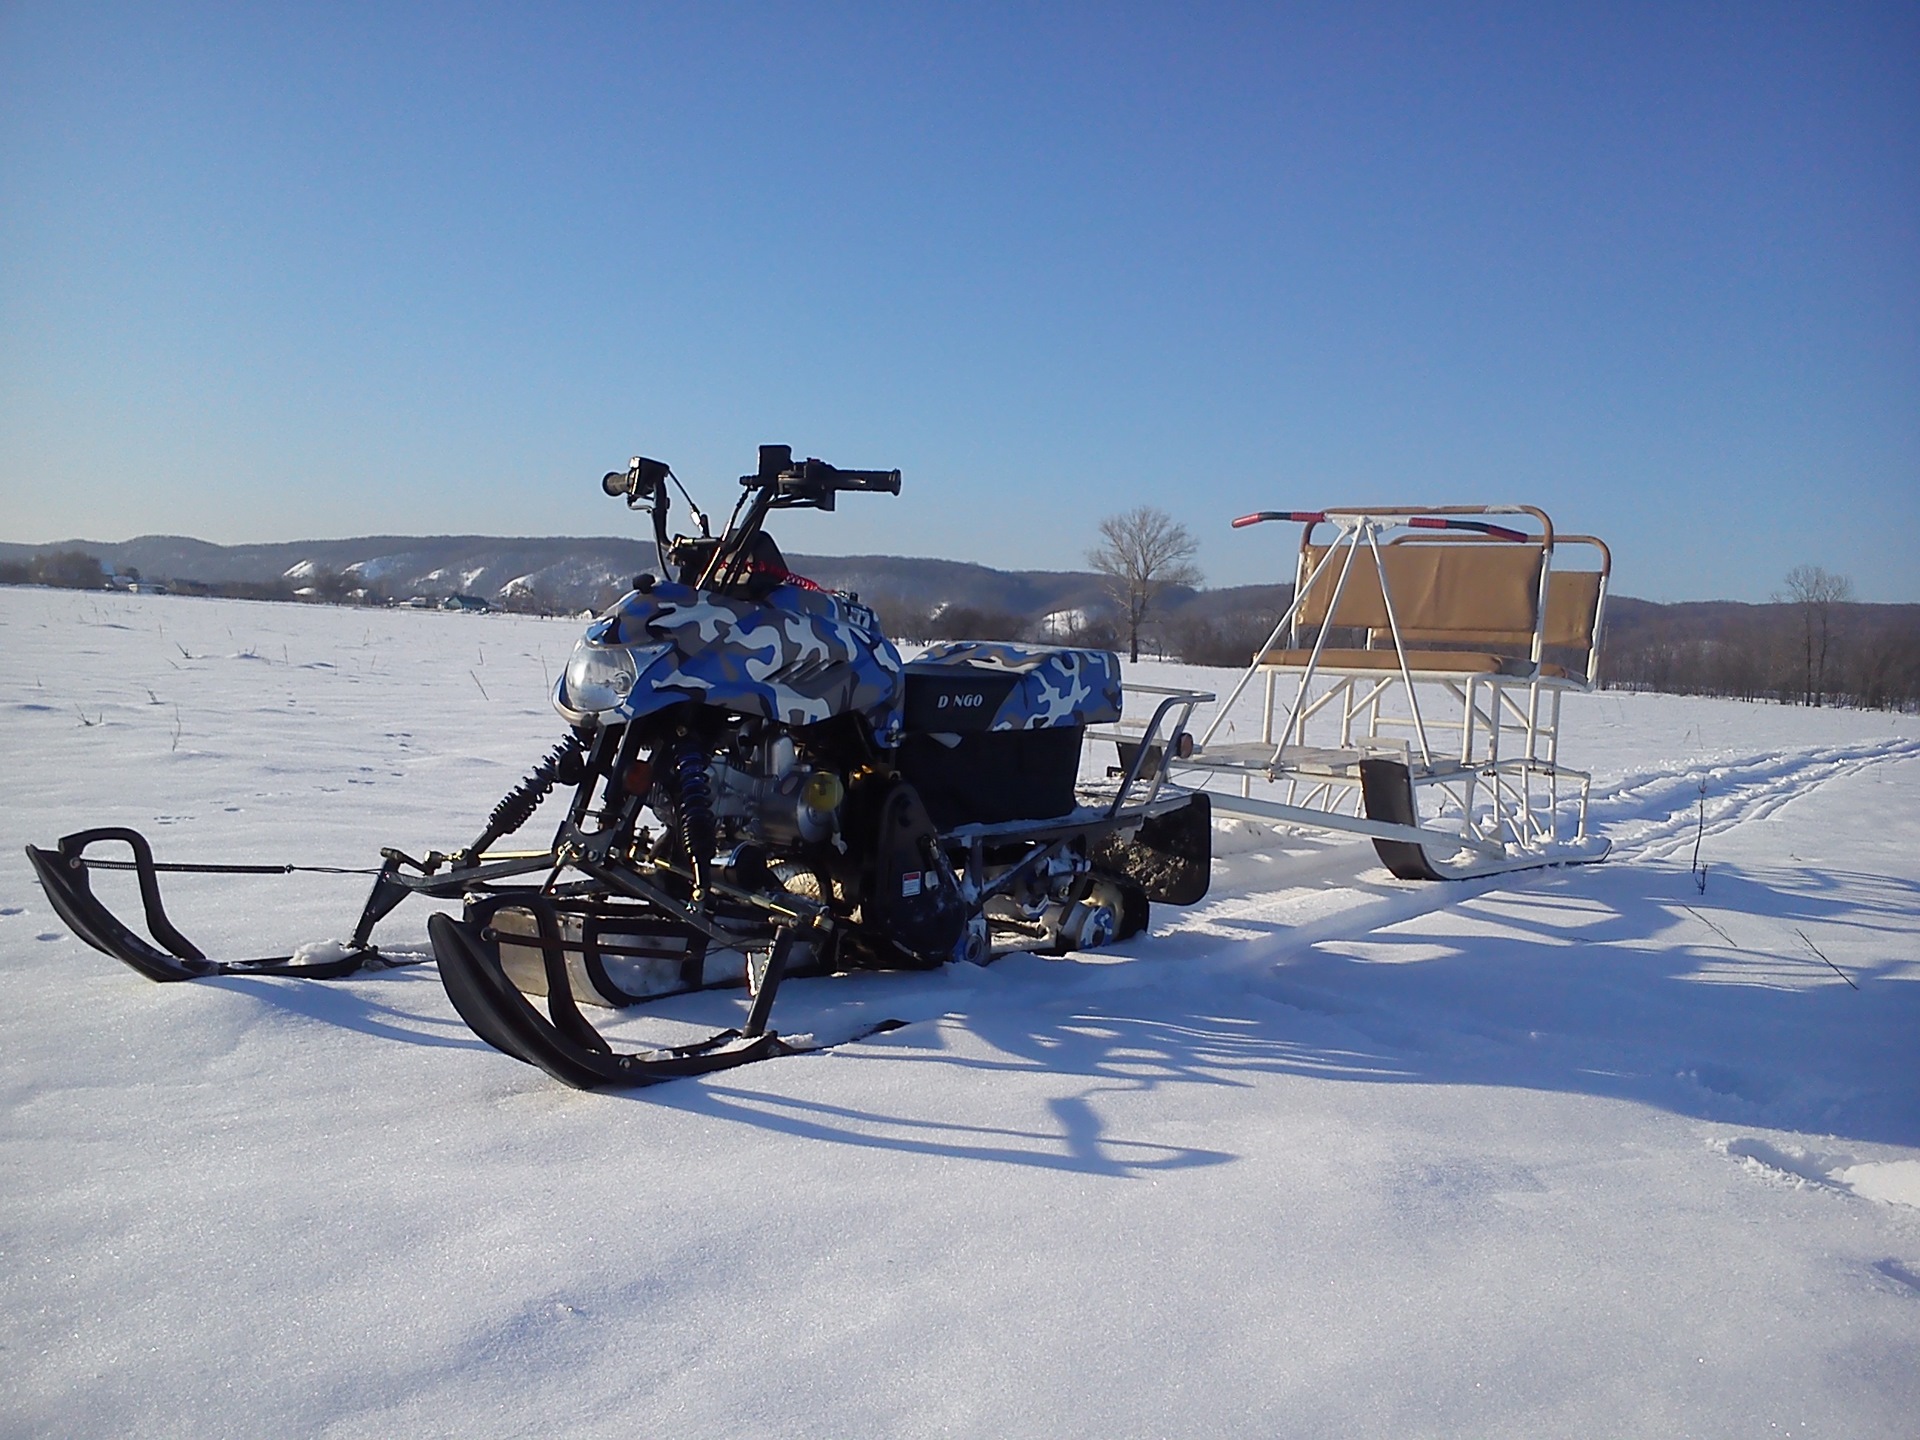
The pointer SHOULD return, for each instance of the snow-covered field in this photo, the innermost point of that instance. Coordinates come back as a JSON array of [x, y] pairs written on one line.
[[1571, 1153]]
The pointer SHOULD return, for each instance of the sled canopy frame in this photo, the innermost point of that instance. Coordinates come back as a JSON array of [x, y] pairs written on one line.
[[1421, 665]]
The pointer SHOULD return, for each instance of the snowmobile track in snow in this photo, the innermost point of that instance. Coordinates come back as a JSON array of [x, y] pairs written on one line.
[[1656, 816], [1649, 817]]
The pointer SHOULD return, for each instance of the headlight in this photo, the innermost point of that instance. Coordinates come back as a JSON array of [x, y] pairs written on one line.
[[600, 677]]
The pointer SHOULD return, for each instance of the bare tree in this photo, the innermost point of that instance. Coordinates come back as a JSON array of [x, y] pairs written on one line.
[[1816, 591], [1142, 552]]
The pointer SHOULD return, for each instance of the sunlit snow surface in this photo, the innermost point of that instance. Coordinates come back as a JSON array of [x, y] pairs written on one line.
[[1574, 1153]]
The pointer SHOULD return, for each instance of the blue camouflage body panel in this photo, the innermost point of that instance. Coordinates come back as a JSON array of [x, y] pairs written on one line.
[[797, 656], [1051, 685]]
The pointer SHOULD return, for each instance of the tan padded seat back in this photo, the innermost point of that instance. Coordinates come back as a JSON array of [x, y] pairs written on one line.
[[1472, 594], [1573, 599]]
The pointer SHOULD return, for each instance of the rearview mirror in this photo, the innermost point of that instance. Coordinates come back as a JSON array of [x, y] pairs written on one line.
[[640, 481]]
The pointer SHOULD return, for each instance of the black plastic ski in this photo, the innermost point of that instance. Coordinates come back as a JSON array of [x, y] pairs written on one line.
[[562, 1042], [64, 874]]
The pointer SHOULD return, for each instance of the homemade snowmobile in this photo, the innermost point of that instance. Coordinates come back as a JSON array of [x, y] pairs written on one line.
[[760, 788], [1427, 650]]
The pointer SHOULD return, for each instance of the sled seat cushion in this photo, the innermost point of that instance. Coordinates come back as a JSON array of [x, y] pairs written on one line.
[[1419, 662], [964, 687]]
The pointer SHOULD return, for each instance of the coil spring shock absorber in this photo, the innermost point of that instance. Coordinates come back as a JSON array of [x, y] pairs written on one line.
[[516, 807], [693, 802]]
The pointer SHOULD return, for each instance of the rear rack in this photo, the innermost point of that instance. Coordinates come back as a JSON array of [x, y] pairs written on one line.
[[1145, 745]]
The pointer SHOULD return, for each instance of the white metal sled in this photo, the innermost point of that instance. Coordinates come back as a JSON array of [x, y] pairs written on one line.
[[1412, 689]]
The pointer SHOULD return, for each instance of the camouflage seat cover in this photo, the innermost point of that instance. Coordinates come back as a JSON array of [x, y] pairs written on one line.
[[968, 686]]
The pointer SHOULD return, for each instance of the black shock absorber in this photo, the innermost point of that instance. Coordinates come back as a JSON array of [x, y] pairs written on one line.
[[693, 802], [516, 807]]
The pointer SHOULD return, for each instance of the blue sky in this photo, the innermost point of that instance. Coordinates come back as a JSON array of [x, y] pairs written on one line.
[[275, 272]]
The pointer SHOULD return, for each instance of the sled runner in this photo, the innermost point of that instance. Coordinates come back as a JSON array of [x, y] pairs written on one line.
[[1411, 692], [759, 789]]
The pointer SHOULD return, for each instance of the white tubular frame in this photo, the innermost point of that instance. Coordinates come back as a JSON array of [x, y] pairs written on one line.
[[1481, 745]]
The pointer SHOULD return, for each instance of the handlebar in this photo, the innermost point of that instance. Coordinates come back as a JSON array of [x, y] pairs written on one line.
[[780, 483], [787, 483], [1412, 520]]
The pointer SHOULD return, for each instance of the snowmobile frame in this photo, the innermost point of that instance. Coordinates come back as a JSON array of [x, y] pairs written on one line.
[[588, 881]]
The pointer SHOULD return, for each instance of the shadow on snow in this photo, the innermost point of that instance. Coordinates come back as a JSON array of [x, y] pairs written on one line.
[[1619, 981]]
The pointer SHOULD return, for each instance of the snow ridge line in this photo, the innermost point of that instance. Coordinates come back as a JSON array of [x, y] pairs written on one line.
[[1655, 816]]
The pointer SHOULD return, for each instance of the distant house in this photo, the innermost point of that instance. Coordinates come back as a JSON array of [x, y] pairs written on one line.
[[465, 602]]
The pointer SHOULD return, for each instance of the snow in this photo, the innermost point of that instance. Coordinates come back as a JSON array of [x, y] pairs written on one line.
[[1896, 1182], [383, 566], [1589, 1151], [562, 578]]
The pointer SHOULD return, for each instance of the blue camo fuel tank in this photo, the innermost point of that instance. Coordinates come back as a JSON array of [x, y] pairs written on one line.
[[796, 656]]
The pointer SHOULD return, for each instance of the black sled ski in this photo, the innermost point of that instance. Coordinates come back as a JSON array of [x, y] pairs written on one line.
[[64, 874], [563, 1042], [1386, 788]]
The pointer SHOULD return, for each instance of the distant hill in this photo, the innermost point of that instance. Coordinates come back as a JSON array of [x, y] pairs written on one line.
[[1710, 646], [572, 573], [564, 571]]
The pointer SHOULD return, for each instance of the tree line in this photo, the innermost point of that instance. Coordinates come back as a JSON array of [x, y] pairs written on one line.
[[77, 570], [1813, 645], [67, 569]]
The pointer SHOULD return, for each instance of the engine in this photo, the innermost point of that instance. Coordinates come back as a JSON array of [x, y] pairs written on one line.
[[775, 799]]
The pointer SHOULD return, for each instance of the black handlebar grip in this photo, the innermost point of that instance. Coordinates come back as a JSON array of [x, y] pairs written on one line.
[[884, 480], [641, 479]]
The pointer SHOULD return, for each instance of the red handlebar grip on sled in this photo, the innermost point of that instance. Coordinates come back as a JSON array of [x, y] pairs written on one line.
[[1434, 522], [1310, 517]]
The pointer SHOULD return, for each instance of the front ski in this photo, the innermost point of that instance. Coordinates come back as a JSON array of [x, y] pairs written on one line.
[[562, 1041], [65, 875]]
